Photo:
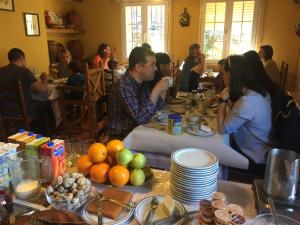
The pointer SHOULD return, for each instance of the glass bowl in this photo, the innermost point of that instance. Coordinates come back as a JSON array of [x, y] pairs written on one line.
[[70, 205], [267, 219]]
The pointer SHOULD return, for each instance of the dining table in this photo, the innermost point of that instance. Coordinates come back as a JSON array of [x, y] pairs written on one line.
[[158, 144]]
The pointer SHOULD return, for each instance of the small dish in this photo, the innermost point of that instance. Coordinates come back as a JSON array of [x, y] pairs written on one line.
[[143, 206], [194, 130], [92, 219]]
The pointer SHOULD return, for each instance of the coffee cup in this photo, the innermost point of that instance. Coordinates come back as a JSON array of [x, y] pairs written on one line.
[[170, 80]]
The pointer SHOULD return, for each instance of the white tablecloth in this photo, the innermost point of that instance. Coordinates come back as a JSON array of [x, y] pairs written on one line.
[[152, 140]]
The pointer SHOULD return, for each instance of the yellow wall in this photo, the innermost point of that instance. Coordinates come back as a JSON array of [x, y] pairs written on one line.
[[13, 35], [183, 37], [278, 31], [63, 7], [102, 23]]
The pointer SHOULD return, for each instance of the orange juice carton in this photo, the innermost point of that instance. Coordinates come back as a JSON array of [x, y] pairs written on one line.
[[13, 138], [55, 151], [32, 148], [23, 140]]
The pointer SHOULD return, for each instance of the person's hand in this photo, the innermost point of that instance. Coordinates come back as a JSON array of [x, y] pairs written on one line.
[[202, 57], [44, 77], [162, 85], [225, 94]]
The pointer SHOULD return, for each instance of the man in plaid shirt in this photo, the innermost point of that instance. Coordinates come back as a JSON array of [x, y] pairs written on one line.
[[131, 102]]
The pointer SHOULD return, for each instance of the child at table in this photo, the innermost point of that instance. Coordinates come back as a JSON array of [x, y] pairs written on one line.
[[75, 79]]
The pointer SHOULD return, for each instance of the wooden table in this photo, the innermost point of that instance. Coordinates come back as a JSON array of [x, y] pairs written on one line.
[[238, 193]]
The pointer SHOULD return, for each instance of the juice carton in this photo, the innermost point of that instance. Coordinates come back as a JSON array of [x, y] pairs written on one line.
[[23, 140], [32, 148], [13, 138], [55, 151]]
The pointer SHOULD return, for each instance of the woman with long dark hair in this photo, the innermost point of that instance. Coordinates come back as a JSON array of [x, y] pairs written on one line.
[[249, 119]]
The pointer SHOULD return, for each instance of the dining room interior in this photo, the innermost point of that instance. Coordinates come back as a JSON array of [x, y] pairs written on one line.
[[150, 112]]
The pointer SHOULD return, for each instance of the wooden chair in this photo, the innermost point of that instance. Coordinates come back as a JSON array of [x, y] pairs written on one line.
[[97, 100], [13, 109], [109, 80], [92, 105], [71, 125], [283, 74]]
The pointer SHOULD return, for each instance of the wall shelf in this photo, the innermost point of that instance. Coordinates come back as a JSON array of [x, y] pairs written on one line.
[[65, 31]]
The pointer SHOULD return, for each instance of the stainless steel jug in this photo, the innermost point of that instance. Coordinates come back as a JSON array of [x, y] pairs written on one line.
[[282, 174]]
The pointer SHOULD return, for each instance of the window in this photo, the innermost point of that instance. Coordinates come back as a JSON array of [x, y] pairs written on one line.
[[229, 27], [145, 22]]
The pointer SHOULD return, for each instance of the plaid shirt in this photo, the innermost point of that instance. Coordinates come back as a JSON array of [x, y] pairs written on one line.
[[129, 106]]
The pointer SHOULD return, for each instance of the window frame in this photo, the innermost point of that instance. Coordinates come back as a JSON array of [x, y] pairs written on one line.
[[256, 26], [144, 5]]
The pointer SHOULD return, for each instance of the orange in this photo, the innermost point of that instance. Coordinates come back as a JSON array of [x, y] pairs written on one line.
[[84, 164], [99, 172], [114, 146], [118, 175], [97, 152]]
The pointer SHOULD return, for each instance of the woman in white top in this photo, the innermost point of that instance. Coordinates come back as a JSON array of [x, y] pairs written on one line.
[[266, 54], [249, 119]]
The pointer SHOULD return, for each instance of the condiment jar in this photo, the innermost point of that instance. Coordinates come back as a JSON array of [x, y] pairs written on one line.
[[175, 124]]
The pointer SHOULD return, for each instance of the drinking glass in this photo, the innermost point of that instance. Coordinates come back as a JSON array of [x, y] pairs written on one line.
[[27, 175]]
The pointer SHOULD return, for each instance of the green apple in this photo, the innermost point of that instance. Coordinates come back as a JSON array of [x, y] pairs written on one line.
[[137, 177], [124, 157], [139, 161]]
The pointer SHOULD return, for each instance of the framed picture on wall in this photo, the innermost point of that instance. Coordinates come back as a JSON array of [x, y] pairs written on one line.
[[32, 26], [7, 5]]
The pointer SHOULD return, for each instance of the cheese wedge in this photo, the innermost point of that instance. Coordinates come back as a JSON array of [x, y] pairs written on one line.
[[168, 205]]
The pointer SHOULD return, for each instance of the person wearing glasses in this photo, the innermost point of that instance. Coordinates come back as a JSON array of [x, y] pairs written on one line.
[[192, 69], [249, 119]]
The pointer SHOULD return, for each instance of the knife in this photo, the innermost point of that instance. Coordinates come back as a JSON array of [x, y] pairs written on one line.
[[99, 213], [175, 217], [153, 206]]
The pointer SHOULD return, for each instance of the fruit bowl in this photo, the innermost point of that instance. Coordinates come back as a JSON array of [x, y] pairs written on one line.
[[69, 197]]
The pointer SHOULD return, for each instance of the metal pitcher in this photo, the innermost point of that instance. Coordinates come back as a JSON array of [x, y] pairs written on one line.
[[282, 174]]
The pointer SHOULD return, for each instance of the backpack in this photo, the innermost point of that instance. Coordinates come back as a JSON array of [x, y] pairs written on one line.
[[286, 121]]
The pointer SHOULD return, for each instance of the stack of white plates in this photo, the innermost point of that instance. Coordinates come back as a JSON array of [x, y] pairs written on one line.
[[193, 174]]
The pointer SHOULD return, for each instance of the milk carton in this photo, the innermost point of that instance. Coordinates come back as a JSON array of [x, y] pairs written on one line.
[[54, 151]]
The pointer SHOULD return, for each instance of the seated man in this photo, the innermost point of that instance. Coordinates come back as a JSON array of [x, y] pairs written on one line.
[[266, 54], [16, 69], [193, 67], [131, 102]]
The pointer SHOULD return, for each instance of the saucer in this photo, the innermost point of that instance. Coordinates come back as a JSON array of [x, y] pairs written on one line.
[[199, 132]]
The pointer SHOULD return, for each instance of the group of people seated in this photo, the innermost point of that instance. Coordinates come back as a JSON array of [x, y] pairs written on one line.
[[247, 84], [247, 90]]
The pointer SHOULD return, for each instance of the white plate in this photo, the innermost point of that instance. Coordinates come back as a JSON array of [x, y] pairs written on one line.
[[204, 172], [163, 118], [92, 219], [200, 133], [194, 158], [143, 207]]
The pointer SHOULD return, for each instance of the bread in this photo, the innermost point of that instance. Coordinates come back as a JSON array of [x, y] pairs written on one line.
[[111, 210]]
